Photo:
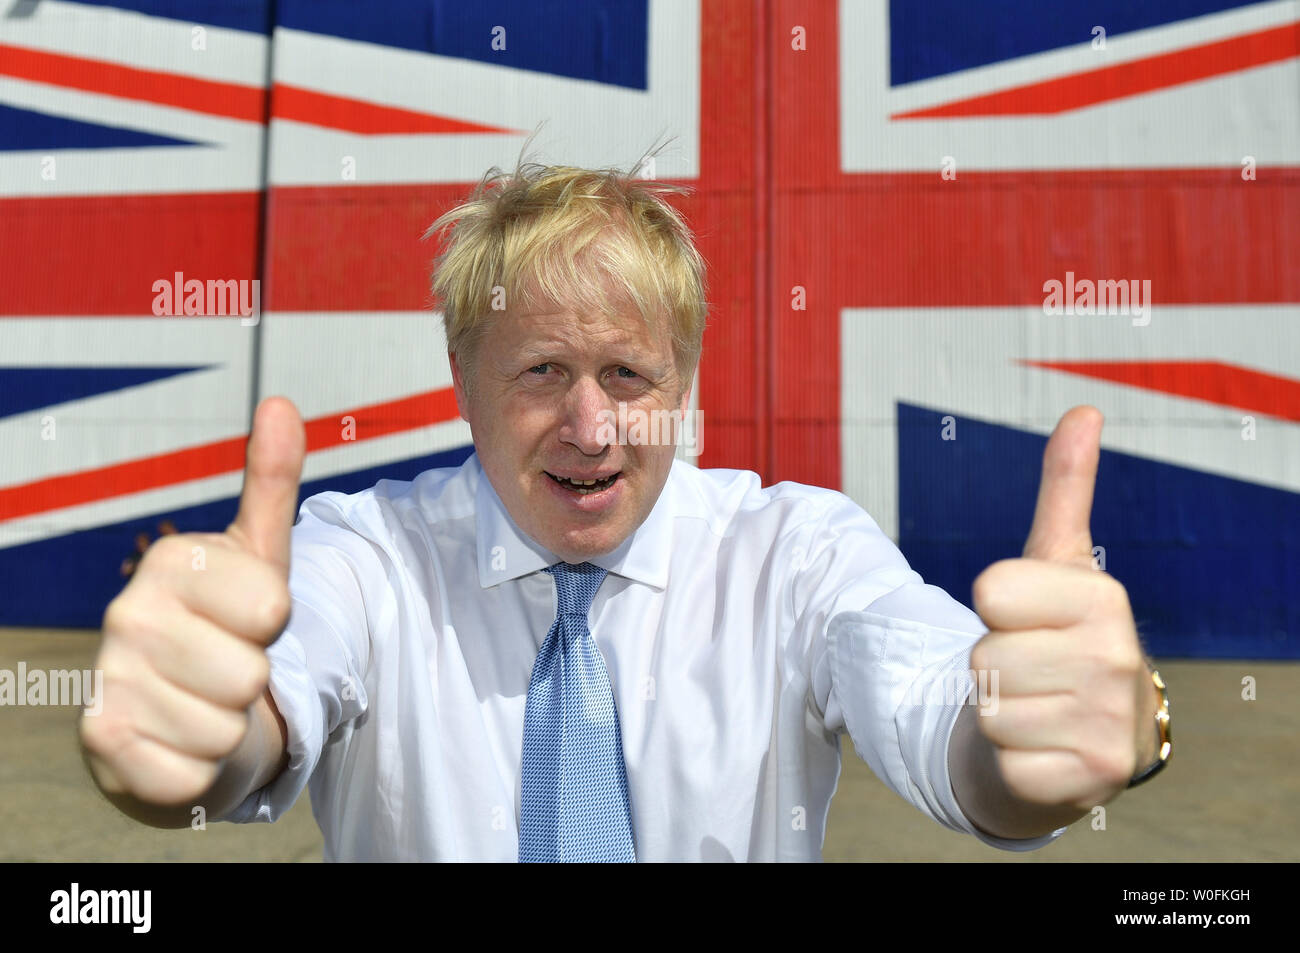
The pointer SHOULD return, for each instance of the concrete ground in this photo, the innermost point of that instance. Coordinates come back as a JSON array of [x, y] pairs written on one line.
[[1229, 793]]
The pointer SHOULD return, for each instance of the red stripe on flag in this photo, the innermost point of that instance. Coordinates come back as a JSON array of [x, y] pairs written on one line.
[[214, 459], [1127, 79], [1228, 385], [233, 100], [355, 115], [358, 248], [101, 254]]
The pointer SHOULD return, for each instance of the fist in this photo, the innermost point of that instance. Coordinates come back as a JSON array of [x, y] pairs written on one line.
[[183, 654], [1075, 699]]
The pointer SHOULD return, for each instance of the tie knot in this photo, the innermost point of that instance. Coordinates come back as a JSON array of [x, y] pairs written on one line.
[[575, 586]]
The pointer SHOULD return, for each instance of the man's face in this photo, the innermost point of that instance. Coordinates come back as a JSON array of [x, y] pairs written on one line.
[[541, 381]]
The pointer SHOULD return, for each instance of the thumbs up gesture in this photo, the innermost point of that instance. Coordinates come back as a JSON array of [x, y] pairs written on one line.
[[184, 644], [1074, 719]]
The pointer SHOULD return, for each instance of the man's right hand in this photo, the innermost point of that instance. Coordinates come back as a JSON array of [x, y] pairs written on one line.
[[184, 645]]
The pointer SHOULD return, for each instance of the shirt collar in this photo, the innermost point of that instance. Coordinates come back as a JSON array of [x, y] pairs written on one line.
[[505, 552]]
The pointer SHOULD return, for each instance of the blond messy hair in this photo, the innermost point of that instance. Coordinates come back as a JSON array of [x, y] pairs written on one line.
[[546, 235]]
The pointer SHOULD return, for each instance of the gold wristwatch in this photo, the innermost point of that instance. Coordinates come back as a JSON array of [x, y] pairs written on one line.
[[1162, 735]]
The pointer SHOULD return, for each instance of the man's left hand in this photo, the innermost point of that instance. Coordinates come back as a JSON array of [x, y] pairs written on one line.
[[1074, 714]]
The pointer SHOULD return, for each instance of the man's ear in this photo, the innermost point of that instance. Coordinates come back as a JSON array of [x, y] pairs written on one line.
[[685, 402], [458, 385]]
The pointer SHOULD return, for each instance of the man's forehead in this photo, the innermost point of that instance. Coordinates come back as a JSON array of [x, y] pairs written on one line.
[[599, 299], [558, 316], [558, 322]]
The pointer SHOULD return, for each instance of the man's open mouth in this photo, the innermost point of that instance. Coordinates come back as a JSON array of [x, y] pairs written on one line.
[[584, 487]]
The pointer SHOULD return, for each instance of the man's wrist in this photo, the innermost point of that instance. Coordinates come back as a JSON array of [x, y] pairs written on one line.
[[1155, 743]]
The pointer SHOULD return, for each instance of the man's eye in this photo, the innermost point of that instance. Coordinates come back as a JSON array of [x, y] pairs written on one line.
[[629, 375], [539, 369]]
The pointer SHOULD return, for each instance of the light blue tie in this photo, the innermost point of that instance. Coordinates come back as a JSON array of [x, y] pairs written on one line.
[[574, 788]]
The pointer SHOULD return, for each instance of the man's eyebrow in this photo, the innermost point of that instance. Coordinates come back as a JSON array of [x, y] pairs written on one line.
[[536, 352], [557, 351], [649, 368]]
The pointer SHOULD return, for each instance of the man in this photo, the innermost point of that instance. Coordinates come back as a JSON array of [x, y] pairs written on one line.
[[573, 647]]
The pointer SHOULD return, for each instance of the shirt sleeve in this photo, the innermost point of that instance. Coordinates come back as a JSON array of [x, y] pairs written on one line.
[[318, 663], [890, 661]]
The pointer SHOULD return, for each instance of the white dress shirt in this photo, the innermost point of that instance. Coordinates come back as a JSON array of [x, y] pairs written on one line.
[[744, 630]]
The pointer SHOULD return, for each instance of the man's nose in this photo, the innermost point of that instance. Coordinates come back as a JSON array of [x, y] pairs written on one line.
[[590, 417]]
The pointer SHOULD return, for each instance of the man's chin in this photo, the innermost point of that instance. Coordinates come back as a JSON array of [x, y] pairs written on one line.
[[578, 528], [572, 551]]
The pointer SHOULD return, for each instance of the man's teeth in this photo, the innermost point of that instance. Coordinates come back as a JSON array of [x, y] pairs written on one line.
[[583, 486]]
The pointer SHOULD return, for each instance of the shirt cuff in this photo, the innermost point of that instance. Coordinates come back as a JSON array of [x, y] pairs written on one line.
[[962, 671], [899, 686], [295, 697]]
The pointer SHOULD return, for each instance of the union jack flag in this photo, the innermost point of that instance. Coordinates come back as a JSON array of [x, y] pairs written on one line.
[[882, 190]]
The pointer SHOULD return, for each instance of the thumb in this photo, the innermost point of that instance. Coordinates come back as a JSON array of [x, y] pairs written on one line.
[[1062, 517], [269, 500]]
